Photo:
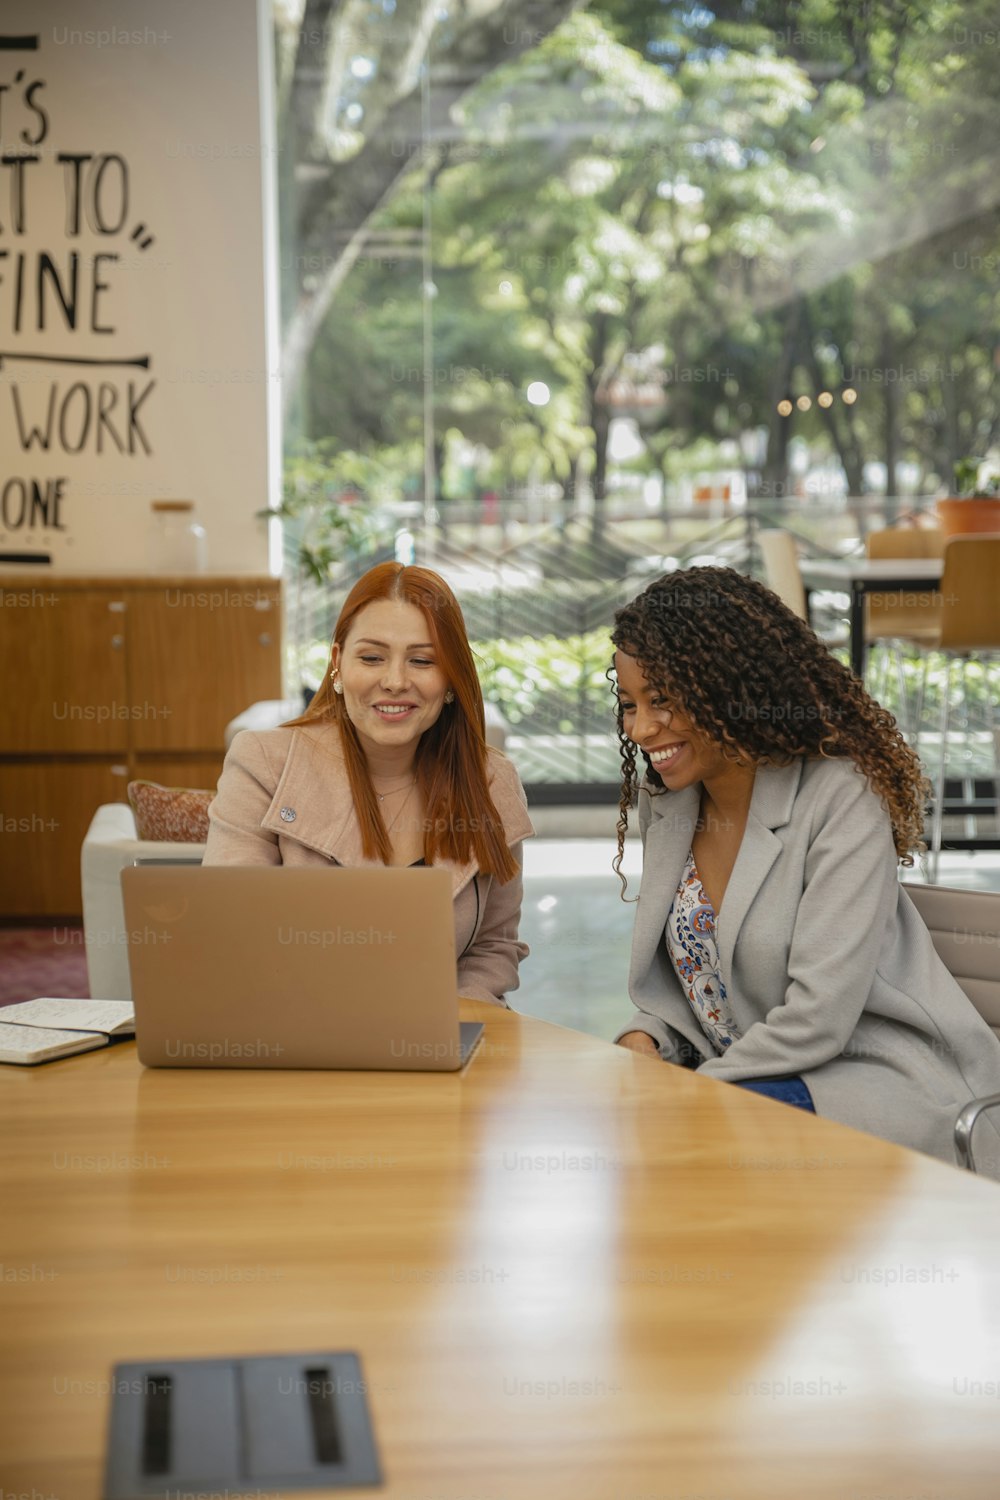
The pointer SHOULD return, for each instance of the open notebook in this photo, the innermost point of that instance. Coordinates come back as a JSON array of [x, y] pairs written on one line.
[[36, 1031]]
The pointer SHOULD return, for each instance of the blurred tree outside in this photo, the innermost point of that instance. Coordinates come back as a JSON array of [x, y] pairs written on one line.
[[342, 157], [602, 251], [693, 197]]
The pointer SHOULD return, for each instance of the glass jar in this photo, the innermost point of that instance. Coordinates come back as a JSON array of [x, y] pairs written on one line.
[[176, 542]]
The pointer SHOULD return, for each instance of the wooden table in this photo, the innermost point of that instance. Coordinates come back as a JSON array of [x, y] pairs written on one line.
[[859, 576], [571, 1272]]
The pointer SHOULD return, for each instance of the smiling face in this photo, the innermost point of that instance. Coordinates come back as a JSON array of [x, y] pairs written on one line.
[[393, 686], [680, 754]]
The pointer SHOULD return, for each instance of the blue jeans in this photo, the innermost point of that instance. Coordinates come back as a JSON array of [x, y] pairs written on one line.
[[787, 1090]]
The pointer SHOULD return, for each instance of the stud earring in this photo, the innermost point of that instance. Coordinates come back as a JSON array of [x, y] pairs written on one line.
[[449, 696]]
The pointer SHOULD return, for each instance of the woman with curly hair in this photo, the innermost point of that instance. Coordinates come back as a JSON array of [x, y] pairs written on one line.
[[774, 946]]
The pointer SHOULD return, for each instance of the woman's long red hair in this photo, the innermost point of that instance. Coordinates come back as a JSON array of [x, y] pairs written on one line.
[[462, 823]]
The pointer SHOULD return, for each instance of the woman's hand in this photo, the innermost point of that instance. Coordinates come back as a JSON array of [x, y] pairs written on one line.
[[639, 1041]]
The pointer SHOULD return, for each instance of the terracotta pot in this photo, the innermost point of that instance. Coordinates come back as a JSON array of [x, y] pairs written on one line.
[[959, 517]]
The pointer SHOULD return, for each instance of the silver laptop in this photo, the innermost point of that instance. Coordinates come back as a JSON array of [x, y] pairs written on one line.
[[271, 967]]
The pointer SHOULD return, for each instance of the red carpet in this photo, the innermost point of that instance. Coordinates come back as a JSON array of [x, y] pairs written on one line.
[[42, 961]]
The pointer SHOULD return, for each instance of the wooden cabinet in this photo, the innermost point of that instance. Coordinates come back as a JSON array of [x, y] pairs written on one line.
[[107, 680], [45, 810], [64, 675], [195, 653]]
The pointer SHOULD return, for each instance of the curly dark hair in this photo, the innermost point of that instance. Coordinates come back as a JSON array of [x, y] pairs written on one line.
[[751, 675]]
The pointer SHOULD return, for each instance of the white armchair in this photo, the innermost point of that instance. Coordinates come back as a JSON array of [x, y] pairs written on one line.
[[267, 714], [111, 844]]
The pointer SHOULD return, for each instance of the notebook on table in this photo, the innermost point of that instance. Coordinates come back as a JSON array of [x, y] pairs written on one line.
[[270, 967], [42, 1030]]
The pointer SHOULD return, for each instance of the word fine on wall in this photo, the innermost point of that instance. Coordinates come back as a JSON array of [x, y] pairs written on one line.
[[67, 234]]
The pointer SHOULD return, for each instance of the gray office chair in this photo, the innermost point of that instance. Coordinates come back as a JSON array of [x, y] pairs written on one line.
[[965, 928]]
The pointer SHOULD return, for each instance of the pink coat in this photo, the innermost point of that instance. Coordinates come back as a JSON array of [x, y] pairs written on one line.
[[284, 799]]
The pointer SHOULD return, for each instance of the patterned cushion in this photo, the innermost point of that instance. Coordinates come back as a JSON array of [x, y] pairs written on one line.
[[169, 814]]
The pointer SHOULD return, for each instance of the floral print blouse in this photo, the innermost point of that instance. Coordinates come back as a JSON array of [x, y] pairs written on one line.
[[690, 939]]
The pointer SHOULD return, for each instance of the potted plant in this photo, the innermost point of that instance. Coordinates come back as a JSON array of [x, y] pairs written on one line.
[[976, 504]]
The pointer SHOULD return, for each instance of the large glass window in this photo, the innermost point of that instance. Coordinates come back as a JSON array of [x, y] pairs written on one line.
[[570, 295]]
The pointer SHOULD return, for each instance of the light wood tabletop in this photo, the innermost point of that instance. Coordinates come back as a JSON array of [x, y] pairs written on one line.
[[571, 1271]]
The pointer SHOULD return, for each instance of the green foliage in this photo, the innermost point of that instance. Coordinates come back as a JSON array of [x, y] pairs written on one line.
[[970, 483], [330, 501], [551, 683], [321, 505], [736, 200]]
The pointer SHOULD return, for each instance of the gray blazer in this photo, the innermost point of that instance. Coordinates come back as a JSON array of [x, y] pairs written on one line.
[[830, 972]]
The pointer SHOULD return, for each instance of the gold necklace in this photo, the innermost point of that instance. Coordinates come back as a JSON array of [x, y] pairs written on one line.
[[393, 789], [401, 808]]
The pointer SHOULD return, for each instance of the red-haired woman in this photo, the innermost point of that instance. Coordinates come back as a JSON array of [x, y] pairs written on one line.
[[390, 765]]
